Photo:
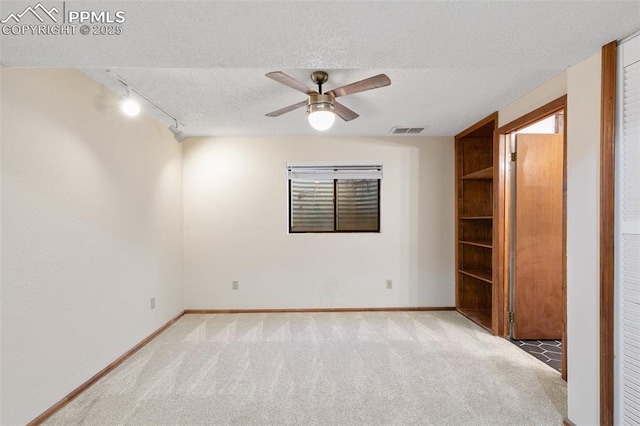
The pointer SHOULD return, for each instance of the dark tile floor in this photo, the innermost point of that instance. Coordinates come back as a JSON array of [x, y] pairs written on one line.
[[547, 351]]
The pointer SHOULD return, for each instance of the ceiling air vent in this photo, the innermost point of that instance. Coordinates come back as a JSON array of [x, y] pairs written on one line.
[[407, 130]]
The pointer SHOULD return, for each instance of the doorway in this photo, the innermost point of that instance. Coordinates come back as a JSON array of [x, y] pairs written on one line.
[[534, 204], [535, 279]]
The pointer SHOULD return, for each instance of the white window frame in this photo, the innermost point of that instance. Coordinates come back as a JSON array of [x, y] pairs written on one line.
[[332, 171]]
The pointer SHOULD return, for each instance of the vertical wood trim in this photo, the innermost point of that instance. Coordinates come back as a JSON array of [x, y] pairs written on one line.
[[607, 187], [500, 246], [458, 194], [505, 227], [565, 345]]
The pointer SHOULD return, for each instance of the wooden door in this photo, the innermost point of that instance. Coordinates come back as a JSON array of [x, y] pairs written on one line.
[[538, 237]]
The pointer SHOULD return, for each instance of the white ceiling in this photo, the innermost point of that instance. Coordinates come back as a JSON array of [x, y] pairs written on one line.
[[450, 62]]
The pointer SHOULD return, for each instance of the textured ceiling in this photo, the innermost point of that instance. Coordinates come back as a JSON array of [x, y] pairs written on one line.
[[450, 62]]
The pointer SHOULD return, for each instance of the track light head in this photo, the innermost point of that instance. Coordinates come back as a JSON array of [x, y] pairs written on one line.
[[130, 107], [177, 133]]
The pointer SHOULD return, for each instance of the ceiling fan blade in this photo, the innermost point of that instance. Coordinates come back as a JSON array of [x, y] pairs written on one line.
[[286, 109], [343, 112], [283, 78], [374, 82]]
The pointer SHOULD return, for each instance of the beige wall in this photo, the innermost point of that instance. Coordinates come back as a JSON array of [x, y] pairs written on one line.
[[541, 95], [581, 83], [91, 230], [235, 221], [583, 240]]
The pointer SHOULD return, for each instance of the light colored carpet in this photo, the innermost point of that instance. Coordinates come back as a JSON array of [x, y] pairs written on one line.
[[365, 368]]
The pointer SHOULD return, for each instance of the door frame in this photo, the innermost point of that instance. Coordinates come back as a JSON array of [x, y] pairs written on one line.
[[607, 231], [503, 200]]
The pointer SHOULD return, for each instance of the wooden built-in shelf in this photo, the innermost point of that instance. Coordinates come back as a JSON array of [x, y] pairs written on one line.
[[479, 316], [480, 274], [485, 244], [476, 173], [480, 174]]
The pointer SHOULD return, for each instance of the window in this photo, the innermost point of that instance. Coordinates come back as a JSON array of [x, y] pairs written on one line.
[[334, 198]]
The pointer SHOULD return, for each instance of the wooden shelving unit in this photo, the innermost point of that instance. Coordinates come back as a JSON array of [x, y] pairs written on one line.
[[476, 167]]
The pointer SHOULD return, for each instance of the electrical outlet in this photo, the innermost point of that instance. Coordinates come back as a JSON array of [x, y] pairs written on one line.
[[153, 303], [389, 284], [234, 285]]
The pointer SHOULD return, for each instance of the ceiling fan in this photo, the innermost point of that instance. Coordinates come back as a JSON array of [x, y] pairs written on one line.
[[322, 108]]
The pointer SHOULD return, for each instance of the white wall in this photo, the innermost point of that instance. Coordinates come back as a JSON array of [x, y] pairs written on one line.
[[583, 240], [235, 226], [91, 229], [581, 83]]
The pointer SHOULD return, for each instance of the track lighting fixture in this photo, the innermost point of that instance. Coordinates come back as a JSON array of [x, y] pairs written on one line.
[[131, 107]]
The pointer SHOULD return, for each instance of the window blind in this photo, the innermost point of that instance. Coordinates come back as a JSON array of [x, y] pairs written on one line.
[[311, 205], [357, 208]]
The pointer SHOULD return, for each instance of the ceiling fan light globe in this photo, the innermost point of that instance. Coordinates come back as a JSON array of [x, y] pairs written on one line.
[[320, 111], [321, 120]]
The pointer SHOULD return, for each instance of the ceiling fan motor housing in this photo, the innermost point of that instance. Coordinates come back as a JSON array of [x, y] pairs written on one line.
[[320, 103]]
